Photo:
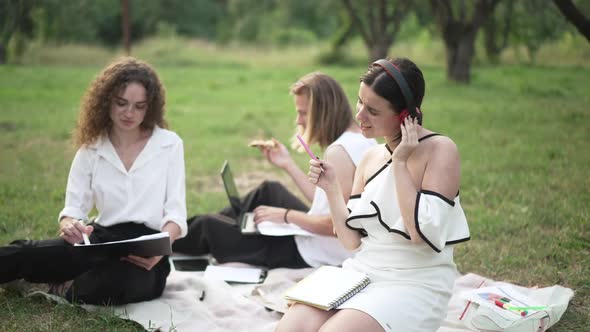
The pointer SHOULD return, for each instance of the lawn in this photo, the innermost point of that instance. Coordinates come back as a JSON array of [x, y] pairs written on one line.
[[522, 132]]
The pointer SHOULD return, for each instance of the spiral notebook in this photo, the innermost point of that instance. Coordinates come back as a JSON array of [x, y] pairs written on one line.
[[327, 287]]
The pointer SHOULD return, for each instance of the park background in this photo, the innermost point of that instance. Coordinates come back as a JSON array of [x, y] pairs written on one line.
[[507, 80]]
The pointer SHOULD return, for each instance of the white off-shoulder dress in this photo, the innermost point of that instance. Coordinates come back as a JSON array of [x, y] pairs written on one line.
[[411, 284]]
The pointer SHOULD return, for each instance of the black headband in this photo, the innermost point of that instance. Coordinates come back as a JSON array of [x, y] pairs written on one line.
[[397, 76]]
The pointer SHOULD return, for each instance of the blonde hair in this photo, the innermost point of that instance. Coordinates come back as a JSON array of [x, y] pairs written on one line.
[[329, 112], [94, 117]]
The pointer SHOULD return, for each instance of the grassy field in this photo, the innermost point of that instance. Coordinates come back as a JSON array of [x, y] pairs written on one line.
[[523, 134]]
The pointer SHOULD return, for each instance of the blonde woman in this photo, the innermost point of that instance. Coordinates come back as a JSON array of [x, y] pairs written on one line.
[[323, 116]]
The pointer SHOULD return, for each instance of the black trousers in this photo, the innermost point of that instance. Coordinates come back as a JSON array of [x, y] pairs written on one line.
[[96, 279], [219, 234]]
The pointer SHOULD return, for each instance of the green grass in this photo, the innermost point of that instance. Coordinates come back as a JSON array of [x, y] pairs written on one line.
[[522, 133]]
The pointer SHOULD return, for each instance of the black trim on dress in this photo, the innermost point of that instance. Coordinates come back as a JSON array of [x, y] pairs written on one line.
[[377, 173], [391, 230], [388, 148], [434, 193], [418, 225], [458, 241], [397, 231], [427, 136]]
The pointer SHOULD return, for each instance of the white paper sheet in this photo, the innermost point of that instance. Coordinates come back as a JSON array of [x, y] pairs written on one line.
[[273, 229], [234, 274]]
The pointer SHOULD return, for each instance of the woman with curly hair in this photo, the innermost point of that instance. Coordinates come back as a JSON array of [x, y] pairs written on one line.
[[131, 170]]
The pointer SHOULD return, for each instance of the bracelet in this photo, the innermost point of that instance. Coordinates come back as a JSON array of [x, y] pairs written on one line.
[[285, 216]]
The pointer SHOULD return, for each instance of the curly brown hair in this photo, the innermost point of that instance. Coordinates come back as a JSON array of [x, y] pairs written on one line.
[[94, 117]]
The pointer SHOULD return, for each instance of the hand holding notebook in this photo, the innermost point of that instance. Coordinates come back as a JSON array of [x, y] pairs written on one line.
[[327, 287]]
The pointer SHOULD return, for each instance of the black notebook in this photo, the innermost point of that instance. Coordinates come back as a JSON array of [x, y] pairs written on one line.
[[147, 246], [327, 287]]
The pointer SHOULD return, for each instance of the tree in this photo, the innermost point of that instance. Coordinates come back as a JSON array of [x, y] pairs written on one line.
[[497, 30], [15, 18], [125, 26], [380, 25], [572, 14], [533, 31], [459, 32]]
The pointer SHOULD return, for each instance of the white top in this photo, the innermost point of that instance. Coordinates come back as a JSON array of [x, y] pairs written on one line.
[[439, 221], [327, 250], [152, 192], [405, 277]]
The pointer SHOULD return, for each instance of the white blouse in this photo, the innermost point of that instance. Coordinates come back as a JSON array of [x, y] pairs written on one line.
[[152, 192]]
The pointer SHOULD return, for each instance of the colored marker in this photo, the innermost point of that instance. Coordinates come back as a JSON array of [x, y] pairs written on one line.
[[509, 307], [537, 307], [313, 156]]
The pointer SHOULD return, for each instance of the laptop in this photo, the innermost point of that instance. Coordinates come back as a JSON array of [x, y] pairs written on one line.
[[245, 219]]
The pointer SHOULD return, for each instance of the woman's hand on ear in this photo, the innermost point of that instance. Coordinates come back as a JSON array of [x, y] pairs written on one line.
[[409, 140]]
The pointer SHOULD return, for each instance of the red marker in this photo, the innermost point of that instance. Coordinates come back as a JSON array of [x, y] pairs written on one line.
[[509, 307]]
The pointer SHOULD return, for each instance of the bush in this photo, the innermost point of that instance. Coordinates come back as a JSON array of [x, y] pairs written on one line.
[[293, 36]]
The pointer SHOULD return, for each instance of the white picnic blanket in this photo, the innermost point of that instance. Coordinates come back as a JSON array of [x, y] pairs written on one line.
[[248, 307]]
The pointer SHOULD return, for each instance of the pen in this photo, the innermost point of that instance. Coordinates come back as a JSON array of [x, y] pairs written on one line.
[[86, 239], [84, 235], [510, 307], [306, 147]]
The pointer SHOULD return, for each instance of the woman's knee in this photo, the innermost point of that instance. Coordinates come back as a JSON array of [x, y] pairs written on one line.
[[351, 320], [272, 186], [119, 283], [302, 318]]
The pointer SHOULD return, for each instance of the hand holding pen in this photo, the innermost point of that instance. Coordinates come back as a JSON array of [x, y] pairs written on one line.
[[73, 230], [309, 152], [320, 172]]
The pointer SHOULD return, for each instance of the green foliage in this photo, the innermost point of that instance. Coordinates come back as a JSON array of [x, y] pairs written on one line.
[[283, 22], [533, 30], [293, 36], [196, 18], [89, 21]]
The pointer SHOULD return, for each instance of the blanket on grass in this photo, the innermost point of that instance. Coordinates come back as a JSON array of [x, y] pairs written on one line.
[[193, 303]]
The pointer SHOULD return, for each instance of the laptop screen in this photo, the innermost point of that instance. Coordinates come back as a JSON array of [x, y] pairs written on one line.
[[230, 188]]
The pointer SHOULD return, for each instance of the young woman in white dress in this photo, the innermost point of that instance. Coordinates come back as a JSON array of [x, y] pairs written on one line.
[[403, 217]]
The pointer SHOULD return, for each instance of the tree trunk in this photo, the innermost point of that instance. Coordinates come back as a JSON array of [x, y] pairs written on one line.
[[459, 34], [378, 51], [459, 56], [491, 41], [2, 54], [125, 26]]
